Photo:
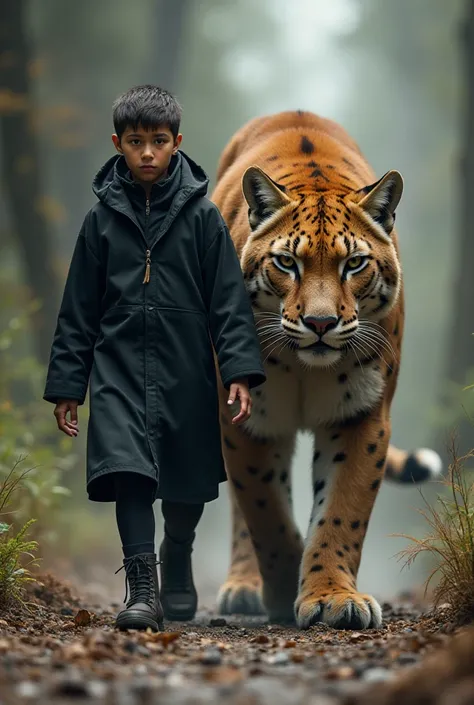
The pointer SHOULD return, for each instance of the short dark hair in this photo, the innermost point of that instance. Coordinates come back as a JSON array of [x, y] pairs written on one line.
[[148, 106]]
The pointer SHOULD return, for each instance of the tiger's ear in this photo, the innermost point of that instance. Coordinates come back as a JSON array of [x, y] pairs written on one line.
[[379, 200], [263, 195]]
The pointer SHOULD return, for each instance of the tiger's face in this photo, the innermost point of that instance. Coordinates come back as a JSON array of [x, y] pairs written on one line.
[[322, 270]]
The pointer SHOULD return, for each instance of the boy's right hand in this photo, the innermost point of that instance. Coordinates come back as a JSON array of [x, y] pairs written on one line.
[[69, 427]]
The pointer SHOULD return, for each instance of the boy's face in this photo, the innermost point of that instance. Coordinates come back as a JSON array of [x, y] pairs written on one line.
[[147, 152]]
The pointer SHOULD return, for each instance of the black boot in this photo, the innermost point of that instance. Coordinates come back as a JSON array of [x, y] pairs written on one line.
[[178, 594], [144, 607]]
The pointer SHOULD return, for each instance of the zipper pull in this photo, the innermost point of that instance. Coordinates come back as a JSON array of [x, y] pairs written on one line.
[[147, 207], [146, 278]]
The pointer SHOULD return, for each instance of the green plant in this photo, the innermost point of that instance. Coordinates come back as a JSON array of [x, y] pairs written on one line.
[[27, 430], [16, 552], [450, 541]]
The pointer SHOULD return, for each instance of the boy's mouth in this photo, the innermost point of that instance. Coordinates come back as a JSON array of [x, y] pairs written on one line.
[[148, 167]]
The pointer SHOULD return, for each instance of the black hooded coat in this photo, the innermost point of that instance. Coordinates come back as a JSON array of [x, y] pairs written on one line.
[[154, 287]]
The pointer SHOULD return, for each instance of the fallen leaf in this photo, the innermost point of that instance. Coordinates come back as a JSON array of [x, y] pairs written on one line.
[[166, 638], [260, 639], [83, 618], [224, 675]]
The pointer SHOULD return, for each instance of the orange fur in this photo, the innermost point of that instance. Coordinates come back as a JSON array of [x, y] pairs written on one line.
[[320, 257]]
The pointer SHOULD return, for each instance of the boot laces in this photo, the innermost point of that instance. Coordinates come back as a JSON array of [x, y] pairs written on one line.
[[139, 582]]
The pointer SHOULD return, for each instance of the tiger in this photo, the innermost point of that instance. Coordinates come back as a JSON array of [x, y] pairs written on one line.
[[314, 231]]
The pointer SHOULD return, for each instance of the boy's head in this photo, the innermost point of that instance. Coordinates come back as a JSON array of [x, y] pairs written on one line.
[[146, 121]]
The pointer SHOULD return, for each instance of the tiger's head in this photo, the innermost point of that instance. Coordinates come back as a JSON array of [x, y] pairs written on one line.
[[321, 267]]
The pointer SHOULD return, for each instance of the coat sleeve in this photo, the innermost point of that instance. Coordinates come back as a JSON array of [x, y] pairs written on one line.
[[231, 321], [77, 325]]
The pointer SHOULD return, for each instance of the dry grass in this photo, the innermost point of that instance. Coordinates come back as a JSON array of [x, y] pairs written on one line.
[[450, 541]]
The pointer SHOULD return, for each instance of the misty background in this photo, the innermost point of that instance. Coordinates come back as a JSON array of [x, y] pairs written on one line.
[[395, 75]]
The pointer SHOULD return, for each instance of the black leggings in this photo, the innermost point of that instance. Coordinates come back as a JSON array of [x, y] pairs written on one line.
[[136, 518]]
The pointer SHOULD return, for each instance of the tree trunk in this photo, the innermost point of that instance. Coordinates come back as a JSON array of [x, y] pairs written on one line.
[[461, 349], [22, 172], [169, 47]]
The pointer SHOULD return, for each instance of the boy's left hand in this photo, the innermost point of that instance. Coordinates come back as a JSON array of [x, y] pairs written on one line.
[[240, 389]]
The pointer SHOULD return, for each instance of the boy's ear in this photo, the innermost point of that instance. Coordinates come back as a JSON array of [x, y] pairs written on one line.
[[177, 142], [117, 145]]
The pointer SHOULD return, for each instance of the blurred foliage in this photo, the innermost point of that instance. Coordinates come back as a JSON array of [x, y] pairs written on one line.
[[28, 433], [405, 113], [17, 554]]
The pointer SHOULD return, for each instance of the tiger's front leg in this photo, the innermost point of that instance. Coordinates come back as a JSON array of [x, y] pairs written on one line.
[[348, 467]]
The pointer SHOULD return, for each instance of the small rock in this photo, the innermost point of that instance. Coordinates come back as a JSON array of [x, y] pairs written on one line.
[[27, 690], [66, 611], [131, 647], [280, 658], [71, 687], [406, 659], [376, 675], [97, 689], [218, 622], [211, 657]]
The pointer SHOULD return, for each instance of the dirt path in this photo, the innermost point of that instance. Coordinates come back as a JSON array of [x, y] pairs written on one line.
[[46, 656]]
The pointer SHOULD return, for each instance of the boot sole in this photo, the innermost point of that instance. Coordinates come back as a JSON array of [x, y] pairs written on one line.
[[138, 620]]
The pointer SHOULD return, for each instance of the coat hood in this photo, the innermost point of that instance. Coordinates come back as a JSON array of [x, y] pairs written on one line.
[[109, 187]]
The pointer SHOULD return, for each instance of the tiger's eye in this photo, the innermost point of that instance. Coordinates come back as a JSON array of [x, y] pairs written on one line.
[[286, 261], [354, 262]]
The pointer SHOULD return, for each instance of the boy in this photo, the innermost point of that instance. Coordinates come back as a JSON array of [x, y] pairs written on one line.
[[154, 278]]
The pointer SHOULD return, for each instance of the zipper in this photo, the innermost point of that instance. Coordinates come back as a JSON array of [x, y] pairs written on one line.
[[146, 278]]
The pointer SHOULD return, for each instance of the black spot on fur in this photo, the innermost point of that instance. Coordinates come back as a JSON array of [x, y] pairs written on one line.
[[355, 524], [337, 521], [356, 546], [228, 443], [381, 433], [316, 568], [315, 555], [252, 470], [283, 477], [282, 529], [268, 477], [238, 485], [372, 447], [375, 484], [319, 485], [346, 547], [316, 456], [342, 378], [335, 436], [341, 567], [261, 503], [339, 458], [380, 463], [321, 522], [307, 147]]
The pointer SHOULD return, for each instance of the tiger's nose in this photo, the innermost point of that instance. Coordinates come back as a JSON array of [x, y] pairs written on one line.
[[320, 324]]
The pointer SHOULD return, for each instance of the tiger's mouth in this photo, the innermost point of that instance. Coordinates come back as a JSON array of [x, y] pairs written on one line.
[[318, 348]]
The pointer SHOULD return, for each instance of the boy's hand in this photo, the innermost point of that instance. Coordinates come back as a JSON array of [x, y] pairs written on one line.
[[69, 427], [240, 389]]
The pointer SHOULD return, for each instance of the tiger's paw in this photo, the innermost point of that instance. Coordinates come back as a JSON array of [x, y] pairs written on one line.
[[340, 610], [241, 596]]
